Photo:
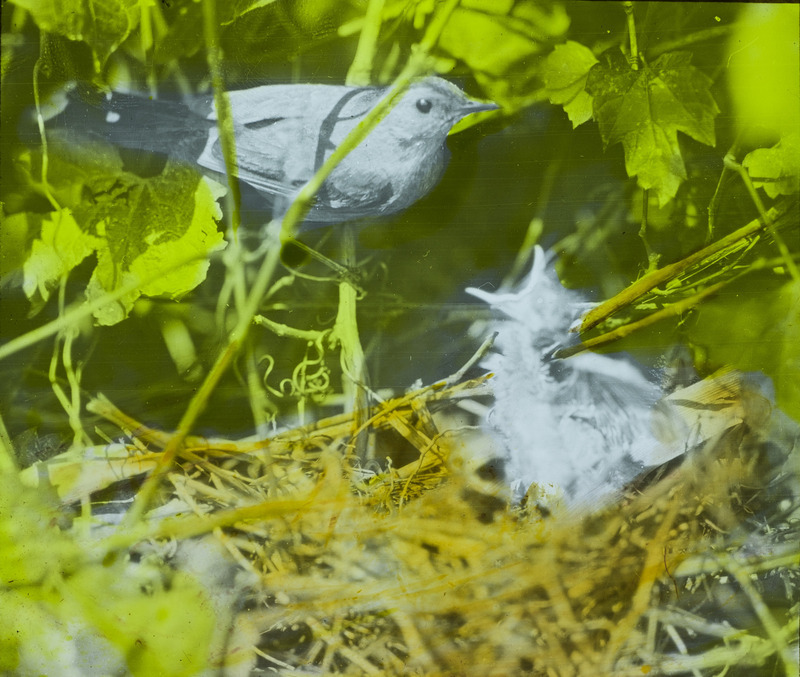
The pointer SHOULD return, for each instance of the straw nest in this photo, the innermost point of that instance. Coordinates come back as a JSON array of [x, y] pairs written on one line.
[[317, 563]]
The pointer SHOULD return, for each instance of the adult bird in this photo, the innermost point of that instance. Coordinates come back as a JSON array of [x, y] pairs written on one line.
[[283, 134]]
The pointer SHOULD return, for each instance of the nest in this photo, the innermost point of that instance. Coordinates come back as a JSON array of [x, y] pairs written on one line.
[[317, 564]]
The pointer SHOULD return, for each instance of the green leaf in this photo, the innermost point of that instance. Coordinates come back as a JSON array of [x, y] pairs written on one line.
[[645, 109], [61, 613], [60, 247], [162, 247], [102, 24], [32, 547], [135, 226], [502, 49], [166, 632], [485, 42], [564, 72], [776, 169]]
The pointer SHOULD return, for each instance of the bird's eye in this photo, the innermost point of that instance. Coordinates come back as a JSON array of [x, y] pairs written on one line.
[[424, 105]]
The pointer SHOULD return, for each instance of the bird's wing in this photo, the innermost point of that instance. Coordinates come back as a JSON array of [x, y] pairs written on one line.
[[285, 132], [310, 102]]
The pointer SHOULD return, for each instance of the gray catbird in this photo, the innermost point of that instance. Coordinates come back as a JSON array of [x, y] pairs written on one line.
[[283, 134]]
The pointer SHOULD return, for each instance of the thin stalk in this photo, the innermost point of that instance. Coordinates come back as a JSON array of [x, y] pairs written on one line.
[[223, 106], [763, 215], [360, 72], [634, 56], [352, 358], [199, 401], [40, 122], [652, 257], [686, 40]]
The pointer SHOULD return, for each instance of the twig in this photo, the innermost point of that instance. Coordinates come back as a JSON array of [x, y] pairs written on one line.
[[668, 272], [628, 329], [634, 56], [484, 348]]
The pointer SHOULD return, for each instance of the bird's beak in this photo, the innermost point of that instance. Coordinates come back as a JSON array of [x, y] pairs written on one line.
[[471, 107], [468, 109]]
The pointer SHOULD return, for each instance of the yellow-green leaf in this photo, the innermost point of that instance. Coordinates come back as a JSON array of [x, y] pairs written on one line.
[[564, 73], [776, 169], [60, 247]]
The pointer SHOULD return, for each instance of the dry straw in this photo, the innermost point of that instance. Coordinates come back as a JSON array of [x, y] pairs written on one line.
[[427, 569]]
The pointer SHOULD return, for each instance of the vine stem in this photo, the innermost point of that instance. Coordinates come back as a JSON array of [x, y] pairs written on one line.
[[360, 70], [731, 163], [634, 57], [345, 334], [247, 307], [224, 114], [37, 67], [355, 373], [200, 399]]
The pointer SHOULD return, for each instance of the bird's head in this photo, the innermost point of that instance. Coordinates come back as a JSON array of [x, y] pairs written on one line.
[[430, 108]]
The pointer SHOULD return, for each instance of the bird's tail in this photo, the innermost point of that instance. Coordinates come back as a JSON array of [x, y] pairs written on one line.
[[137, 123]]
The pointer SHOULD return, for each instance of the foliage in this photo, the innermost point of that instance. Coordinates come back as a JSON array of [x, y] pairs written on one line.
[[663, 173], [117, 616], [645, 108]]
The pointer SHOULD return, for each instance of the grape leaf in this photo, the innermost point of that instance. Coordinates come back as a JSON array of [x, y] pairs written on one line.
[[135, 226], [102, 24], [151, 239], [564, 72], [776, 169], [645, 109], [60, 247]]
